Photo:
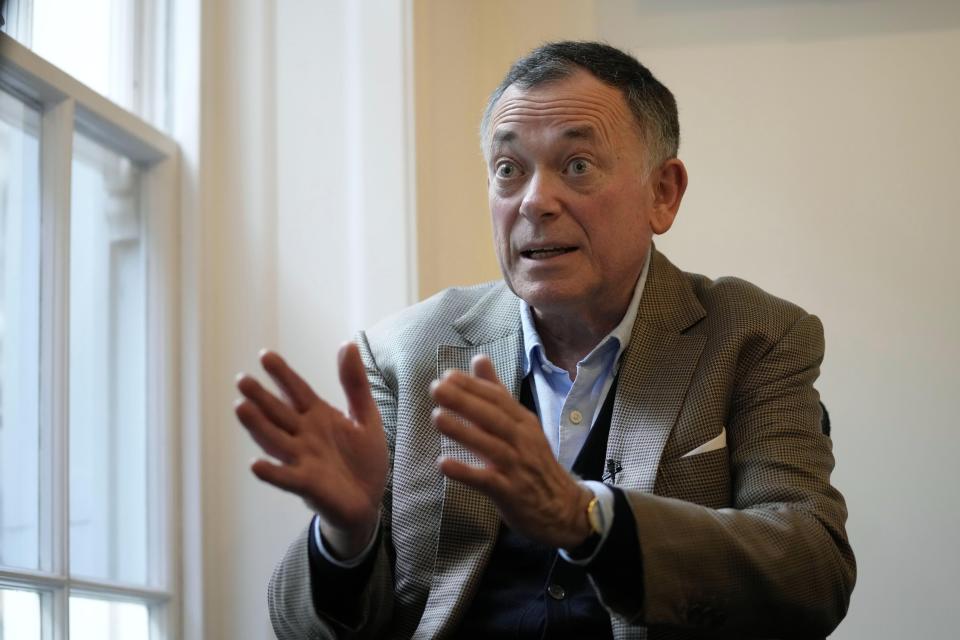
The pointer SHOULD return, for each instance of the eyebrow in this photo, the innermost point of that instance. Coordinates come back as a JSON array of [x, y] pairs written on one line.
[[502, 137], [585, 132]]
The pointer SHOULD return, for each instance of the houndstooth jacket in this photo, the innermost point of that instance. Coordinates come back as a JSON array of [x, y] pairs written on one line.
[[745, 540]]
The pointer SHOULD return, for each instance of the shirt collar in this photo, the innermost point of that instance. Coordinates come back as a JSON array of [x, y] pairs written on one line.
[[533, 345]]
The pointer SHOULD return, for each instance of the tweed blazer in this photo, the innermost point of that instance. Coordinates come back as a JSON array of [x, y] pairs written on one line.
[[743, 540]]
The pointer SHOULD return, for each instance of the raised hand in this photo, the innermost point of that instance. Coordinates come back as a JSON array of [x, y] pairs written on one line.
[[337, 463], [536, 496]]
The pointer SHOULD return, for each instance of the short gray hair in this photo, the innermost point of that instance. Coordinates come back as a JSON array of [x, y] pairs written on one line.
[[653, 106]]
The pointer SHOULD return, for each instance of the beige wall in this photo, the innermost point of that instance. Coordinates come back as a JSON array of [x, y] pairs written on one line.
[[823, 146], [461, 51]]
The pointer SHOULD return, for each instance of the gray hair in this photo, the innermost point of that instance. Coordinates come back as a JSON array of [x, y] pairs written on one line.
[[653, 106]]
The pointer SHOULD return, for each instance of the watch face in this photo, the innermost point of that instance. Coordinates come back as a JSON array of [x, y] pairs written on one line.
[[595, 515]]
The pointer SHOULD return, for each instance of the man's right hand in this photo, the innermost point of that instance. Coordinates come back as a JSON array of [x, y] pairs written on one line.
[[336, 463]]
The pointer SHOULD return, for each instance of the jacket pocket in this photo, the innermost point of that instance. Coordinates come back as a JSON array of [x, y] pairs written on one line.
[[701, 478]]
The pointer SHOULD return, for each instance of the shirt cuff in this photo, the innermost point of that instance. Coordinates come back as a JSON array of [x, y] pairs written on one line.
[[605, 499], [349, 563]]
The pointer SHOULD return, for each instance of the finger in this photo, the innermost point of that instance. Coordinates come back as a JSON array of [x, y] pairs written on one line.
[[488, 415], [289, 381], [488, 447], [482, 367], [489, 389], [273, 440], [484, 480], [279, 476], [353, 379], [275, 409]]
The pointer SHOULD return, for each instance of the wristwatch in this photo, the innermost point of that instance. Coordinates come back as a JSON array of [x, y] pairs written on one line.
[[596, 519]]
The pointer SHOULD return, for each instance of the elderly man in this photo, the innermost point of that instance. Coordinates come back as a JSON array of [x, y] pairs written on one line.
[[601, 445]]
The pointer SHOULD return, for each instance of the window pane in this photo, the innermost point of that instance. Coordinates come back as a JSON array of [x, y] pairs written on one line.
[[19, 615], [116, 47], [19, 333], [96, 619], [108, 457], [91, 40]]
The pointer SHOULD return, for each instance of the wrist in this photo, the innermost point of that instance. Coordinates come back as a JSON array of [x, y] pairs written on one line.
[[348, 543], [580, 529]]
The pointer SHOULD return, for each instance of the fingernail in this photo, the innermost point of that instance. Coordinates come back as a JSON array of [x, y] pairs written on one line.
[[262, 352], [240, 376]]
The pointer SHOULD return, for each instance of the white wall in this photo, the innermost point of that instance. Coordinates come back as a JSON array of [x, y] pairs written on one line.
[[301, 238], [823, 146]]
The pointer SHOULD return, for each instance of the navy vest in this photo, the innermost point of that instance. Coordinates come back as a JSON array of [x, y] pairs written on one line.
[[528, 591]]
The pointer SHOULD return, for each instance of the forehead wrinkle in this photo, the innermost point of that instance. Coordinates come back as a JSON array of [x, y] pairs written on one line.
[[525, 106], [575, 127], [598, 114]]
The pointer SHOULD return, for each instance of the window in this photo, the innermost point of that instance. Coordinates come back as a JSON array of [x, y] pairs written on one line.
[[88, 338], [115, 47]]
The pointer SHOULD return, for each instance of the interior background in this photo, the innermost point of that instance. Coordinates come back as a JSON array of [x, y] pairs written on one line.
[[339, 178]]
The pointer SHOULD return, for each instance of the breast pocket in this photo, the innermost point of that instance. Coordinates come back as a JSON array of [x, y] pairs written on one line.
[[699, 477]]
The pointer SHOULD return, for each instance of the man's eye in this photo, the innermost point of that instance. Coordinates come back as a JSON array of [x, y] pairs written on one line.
[[507, 170], [578, 166]]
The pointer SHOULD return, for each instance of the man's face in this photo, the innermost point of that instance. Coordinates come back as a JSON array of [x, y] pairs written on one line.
[[573, 212]]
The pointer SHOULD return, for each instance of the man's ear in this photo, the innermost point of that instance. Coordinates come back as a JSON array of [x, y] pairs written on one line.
[[669, 185]]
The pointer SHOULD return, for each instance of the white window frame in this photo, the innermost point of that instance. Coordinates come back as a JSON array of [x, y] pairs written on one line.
[[66, 105]]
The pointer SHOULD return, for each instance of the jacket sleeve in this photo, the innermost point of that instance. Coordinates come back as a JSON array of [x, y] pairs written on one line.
[[310, 598], [775, 563]]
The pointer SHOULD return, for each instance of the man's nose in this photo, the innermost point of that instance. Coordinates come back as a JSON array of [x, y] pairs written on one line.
[[540, 197]]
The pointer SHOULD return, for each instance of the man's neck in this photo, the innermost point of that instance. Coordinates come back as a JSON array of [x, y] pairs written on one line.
[[569, 334], [568, 337]]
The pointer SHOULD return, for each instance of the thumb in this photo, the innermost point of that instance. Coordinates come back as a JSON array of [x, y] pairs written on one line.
[[355, 385]]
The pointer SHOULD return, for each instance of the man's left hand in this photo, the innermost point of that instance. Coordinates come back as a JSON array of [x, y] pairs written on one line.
[[536, 496]]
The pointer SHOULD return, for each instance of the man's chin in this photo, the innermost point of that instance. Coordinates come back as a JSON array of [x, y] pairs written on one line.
[[546, 296]]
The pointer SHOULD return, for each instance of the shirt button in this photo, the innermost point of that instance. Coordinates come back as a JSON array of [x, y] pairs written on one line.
[[556, 592], [576, 417]]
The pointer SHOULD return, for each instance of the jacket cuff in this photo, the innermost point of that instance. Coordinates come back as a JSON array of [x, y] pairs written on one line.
[[337, 587], [617, 568]]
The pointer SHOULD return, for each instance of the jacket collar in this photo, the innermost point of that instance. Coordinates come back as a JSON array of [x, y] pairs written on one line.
[[669, 302]]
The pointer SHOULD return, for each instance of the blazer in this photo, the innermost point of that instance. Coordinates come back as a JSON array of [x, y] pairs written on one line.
[[716, 427]]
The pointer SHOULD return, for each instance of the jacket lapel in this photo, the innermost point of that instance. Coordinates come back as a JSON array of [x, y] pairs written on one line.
[[655, 374], [469, 520]]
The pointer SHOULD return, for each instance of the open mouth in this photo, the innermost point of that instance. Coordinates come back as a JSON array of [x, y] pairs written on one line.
[[546, 253]]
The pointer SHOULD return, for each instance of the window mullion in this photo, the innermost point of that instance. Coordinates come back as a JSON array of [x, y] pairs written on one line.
[[56, 153], [56, 615], [162, 275]]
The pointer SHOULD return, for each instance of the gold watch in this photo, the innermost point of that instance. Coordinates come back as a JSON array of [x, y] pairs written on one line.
[[595, 515], [596, 519]]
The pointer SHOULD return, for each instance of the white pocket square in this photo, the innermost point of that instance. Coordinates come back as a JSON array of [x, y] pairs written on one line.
[[713, 444]]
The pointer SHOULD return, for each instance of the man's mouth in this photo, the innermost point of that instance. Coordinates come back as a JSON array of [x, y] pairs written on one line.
[[546, 253]]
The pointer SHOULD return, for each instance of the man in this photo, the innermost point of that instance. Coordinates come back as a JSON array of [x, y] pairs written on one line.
[[445, 501]]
